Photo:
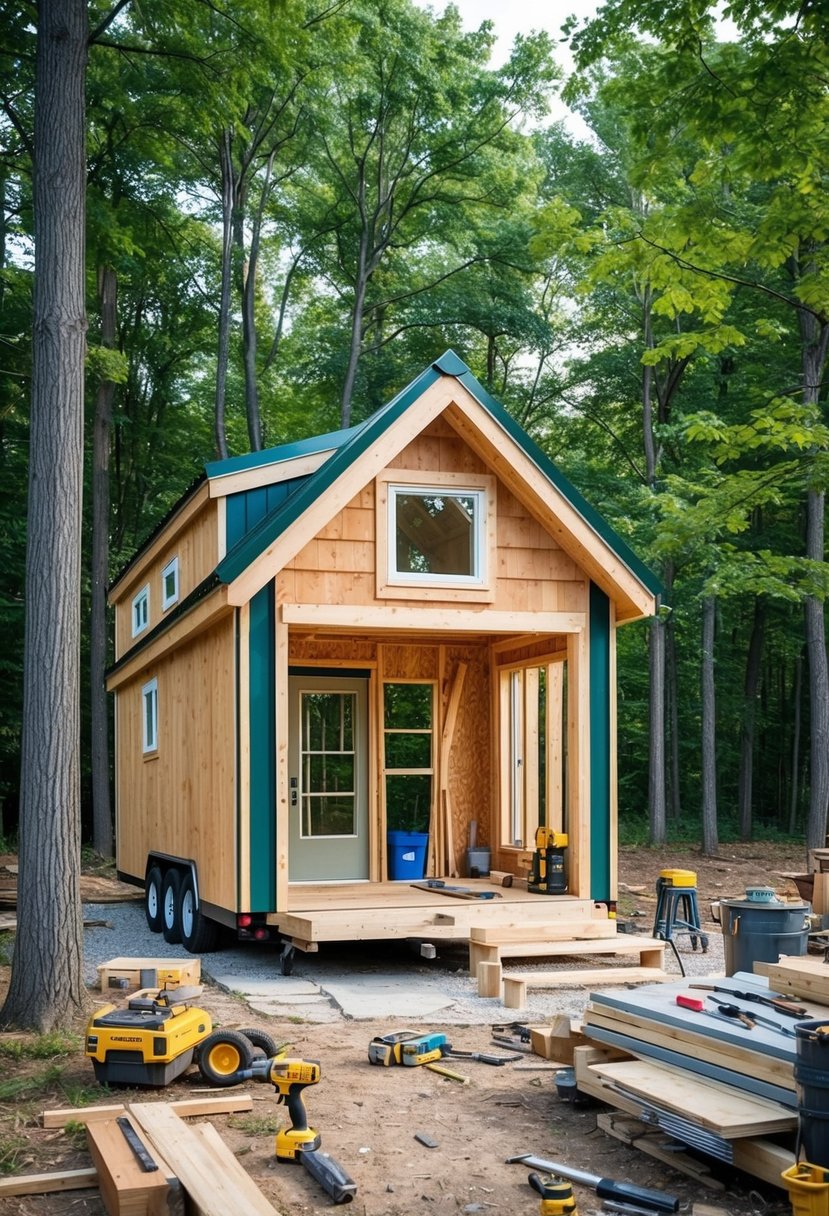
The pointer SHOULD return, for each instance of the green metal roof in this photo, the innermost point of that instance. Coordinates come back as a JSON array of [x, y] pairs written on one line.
[[354, 442], [277, 455]]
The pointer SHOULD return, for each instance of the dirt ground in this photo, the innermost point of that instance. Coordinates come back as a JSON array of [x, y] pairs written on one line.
[[368, 1116]]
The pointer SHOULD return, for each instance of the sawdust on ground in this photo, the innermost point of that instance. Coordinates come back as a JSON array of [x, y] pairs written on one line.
[[368, 1116]]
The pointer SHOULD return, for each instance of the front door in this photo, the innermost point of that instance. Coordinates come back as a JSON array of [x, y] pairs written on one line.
[[329, 779]]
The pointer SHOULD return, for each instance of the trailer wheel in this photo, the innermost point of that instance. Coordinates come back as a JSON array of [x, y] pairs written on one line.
[[263, 1044], [152, 899], [199, 934], [171, 906], [222, 1055]]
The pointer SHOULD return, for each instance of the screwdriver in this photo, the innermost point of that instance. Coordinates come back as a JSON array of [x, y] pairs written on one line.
[[779, 1004], [749, 1020]]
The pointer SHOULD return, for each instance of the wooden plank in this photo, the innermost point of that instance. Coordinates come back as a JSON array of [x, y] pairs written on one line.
[[515, 986], [806, 976], [722, 1109], [763, 1158], [443, 620], [651, 952], [126, 1188], [524, 933], [489, 979], [446, 740], [46, 1184], [206, 1167], [656, 1144], [186, 1108], [165, 972]]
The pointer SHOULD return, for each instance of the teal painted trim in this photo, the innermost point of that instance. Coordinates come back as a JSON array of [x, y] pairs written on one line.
[[600, 744], [262, 818], [237, 717], [285, 451], [265, 533], [247, 508]]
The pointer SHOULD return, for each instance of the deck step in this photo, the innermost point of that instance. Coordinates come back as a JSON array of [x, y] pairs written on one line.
[[516, 985], [651, 950]]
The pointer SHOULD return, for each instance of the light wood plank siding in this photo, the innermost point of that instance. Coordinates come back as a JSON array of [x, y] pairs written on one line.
[[182, 800]]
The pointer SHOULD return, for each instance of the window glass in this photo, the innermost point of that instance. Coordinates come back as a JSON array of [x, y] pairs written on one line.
[[408, 711], [141, 611], [169, 584], [149, 705], [436, 534]]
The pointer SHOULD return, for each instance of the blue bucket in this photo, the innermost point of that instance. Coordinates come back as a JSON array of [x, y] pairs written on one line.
[[407, 855]]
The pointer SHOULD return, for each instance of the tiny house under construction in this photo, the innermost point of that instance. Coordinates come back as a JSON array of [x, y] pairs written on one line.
[[409, 626]]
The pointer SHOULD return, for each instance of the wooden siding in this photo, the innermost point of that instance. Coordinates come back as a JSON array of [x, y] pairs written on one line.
[[182, 801], [195, 543], [533, 573]]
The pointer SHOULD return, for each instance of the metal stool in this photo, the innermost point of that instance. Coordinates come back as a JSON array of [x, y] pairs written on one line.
[[677, 910]]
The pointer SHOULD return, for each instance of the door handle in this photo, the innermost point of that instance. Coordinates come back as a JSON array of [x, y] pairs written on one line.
[[293, 791]]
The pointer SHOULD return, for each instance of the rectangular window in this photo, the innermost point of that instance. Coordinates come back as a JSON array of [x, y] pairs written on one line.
[[408, 749], [149, 716], [436, 535], [141, 611], [169, 584], [533, 752]]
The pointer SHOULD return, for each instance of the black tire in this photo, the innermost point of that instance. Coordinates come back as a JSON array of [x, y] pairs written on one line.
[[152, 899], [263, 1044], [221, 1056], [199, 934], [171, 907]]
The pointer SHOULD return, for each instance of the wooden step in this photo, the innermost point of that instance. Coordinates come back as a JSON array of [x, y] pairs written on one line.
[[516, 985], [490, 945], [487, 968]]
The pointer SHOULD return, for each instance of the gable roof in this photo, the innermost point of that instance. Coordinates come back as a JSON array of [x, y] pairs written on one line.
[[358, 441]]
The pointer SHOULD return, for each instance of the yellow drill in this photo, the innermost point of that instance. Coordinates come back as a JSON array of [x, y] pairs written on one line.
[[556, 1195], [299, 1142]]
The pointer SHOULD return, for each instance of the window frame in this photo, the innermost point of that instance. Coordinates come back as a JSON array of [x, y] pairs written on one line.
[[396, 584], [149, 691], [172, 567], [141, 597]]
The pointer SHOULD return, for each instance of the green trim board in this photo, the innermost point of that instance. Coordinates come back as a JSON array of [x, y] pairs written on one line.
[[262, 704], [216, 469], [601, 743]]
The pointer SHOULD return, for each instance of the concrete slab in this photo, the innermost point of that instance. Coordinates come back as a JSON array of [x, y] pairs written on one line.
[[276, 988], [385, 996]]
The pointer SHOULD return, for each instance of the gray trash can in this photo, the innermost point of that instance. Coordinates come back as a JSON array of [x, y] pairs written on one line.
[[760, 930]]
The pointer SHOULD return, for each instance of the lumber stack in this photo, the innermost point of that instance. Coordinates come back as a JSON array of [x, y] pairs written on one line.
[[702, 1078]]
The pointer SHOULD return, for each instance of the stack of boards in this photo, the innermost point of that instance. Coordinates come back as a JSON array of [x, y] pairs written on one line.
[[679, 1076]]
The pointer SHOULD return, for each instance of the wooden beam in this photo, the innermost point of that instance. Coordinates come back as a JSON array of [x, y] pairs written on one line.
[[186, 1108], [350, 617], [447, 736], [46, 1184], [578, 766], [266, 474], [127, 1189]]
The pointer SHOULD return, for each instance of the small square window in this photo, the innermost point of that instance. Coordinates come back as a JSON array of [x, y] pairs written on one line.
[[169, 584], [141, 611], [436, 535], [149, 716]]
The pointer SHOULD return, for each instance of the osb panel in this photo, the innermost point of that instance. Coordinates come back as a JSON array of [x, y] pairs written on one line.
[[538, 650], [197, 551], [470, 760], [336, 649], [182, 801], [410, 662]]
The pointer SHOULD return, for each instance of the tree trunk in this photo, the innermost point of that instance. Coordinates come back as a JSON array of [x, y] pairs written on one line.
[[355, 347], [750, 688], [46, 988], [249, 335], [99, 718], [219, 424], [656, 732], [710, 841]]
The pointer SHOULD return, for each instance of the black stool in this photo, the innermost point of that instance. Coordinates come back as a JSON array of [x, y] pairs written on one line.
[[677, 910]]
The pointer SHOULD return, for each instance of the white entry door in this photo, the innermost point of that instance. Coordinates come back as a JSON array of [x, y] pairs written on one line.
[[328, 779]]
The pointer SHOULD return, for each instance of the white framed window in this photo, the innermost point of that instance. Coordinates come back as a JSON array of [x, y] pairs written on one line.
[[169, 584], [149, 716], [141, 611], [436, 532]]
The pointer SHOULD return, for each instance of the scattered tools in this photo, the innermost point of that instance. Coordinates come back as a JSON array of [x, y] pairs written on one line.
[[482, 1057], [750, 1019], [411, 1049], [787, 1008], [605, 1188], [444, 888], [556, 1195]]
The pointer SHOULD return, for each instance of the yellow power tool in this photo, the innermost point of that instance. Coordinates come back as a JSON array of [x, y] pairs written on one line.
[[556, 1195], [548, 875], [151, 1042]]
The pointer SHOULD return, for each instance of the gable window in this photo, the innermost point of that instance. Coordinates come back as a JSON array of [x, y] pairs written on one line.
[[435, 531], [141, 611], [149, 716], [169, 584]]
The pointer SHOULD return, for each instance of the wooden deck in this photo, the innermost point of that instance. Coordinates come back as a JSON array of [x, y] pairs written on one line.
[[388, 910]]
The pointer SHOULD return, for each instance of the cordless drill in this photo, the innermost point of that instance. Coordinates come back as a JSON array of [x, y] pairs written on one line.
[[299, 1142], [556, 1195]]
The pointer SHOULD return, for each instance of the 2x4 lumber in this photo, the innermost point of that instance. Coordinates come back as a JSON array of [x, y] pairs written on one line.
[[489, 979], [447, 737], [636, 1134], [205, 1166], [719, 1108], [46, 1184], [524, 932], [515, 986], [126, 1188], [801, 976], [548, 947], [186, 1108]]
